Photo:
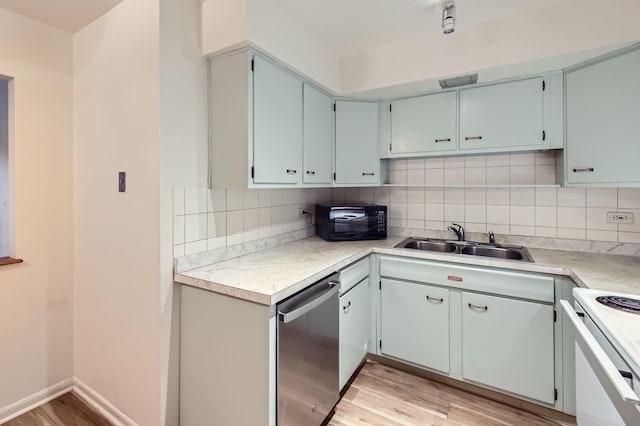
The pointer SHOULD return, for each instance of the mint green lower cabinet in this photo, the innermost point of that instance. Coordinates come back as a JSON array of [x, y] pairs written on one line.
[[415, 323], [508, 344], [354, 329]]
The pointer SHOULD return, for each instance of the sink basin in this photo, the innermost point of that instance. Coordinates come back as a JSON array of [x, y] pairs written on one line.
[[443, 247], [470, 248], [498, 252]]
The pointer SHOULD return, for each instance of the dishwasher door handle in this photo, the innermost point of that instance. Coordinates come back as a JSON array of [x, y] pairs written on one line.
[[287, 317]]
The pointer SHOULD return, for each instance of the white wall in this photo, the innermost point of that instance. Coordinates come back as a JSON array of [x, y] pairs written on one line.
[[4, 167], [558, 29], [36, 296], [183, 162], [117, 235]]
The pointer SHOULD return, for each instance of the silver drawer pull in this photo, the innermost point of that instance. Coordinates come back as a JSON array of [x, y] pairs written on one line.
[[471, 138], [311, 172], [443, 140], [583, 169], [367, 174], [346, 307], [291, 171], [435, 299], [478, 308]]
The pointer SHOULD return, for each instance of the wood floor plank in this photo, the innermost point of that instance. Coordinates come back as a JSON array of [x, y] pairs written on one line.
[[66, 410]]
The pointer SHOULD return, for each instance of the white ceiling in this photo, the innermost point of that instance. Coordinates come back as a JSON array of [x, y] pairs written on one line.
[[68, 15], [350, 27]]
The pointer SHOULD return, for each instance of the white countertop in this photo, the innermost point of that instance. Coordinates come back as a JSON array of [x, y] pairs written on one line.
[[271, 275]]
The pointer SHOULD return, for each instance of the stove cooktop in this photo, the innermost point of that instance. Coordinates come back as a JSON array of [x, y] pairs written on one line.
[[626, 304]]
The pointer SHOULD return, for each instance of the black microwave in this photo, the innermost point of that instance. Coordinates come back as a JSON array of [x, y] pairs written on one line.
[[350, 222]]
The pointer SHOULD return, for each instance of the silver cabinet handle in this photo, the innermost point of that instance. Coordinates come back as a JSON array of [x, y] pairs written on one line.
[[311, 172], [583, 169], [367, 174], [443, 140], [597, 358], [346, 307], [287, 317], [478, 308], [435, 299], [291, 171], [470, 138]]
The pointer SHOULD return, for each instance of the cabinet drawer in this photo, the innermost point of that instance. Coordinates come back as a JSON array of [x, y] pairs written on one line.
[[353, 274], [499, 281]]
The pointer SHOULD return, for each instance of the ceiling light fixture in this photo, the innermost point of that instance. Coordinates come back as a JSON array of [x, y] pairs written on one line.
[[448, 16]]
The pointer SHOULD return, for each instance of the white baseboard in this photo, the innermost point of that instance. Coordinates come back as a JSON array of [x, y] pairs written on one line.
[[100, 404], [37, 399]]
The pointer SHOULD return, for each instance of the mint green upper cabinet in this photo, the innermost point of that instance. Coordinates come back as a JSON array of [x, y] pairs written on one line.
[[508, 344], [505, 115], [603, 122], [424, 124], [318, 137], [415, 323], [357, 159], [277, 124]]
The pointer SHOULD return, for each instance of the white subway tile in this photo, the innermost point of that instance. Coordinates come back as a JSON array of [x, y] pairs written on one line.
[[629, 198], [474, 213], [546, 197], [195, 247], [572, 234], [397, 223], [235, 199], [195, 200], [522, 175], [264, 217], [523, 216], [398, 176], [195, 227], [415, 163], [216, 243], [498, 215], [415, 211], [219, 199], [475, 176], [498, 229], [597, 235], [522, 159], [398, 195], [597, 220], [572, 217], [454, 212], [475, 161], [434, 177], [454, 176], [434, 195], [397, 210], [397, 164], [523, 196], [545, 175], [454, 196], [546, 216], [602, 197], [178, 201], [545, 158], [434, 212], [629, 237], [352, 194], [382, 195], [437, 225], [178, 250], [635, 226], [235, 222], [250, 220], [277, 214], [263, 200], [434, 163], [251, 235], [523, 230], [498, 160], [546, 232], [475, 196], [415, 224], [475, 227], [178, 230], [415, 195], [366, 195], [454, 162], [498, 196], [498, 175], [277, 196], [415, 177], [571, 197], [217, 224]]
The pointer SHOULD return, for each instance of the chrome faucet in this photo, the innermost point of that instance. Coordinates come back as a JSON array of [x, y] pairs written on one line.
[[459, 231], [492, 238]]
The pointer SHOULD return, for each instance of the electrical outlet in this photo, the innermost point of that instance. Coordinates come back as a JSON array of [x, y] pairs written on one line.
[[620, 217], [300, 211], [122, 181]]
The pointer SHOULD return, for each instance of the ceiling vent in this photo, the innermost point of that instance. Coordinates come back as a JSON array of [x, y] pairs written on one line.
[[463, 80]]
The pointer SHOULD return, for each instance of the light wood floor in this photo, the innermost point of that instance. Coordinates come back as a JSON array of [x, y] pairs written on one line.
[[66, 410], [384, 396]]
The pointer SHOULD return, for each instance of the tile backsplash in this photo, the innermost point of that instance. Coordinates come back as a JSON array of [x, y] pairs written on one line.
[[207, 219]]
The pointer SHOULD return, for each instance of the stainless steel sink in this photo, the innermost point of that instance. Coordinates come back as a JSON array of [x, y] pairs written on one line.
[[470, 248]]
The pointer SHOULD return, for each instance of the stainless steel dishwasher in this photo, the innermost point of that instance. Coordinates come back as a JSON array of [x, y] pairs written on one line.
[[307, 344]]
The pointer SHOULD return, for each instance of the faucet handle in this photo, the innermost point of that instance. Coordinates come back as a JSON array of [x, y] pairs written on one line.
[[492, 238]]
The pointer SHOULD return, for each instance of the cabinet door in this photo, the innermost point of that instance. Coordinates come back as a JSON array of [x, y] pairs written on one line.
[[318, 136], [505, 115], [277, 124], [357, 143], [415, 323], [602, 119], [354, 329], [424, 124], [508, 344]]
